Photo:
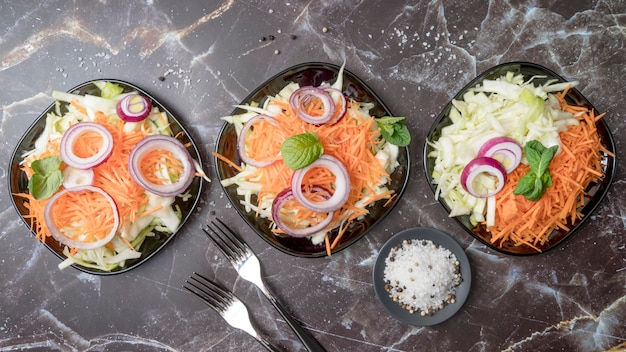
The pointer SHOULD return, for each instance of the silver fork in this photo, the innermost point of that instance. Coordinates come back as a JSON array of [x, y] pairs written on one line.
[[226, 304], [247, 265]]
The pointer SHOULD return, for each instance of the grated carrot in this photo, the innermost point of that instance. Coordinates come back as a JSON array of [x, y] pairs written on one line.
[[227, 161], [88, 144], [524, 222], [85, 216], [79, 107], [157, 161], [327, 245]]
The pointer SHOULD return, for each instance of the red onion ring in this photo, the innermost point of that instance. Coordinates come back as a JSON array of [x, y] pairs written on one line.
[[59, 236], [241, 141], [133, 108], [337, 97], [303, 96], [286, 195], [73, 177], [178, 150], [505, 150], [342, 185], [74, 132], [477, 166]]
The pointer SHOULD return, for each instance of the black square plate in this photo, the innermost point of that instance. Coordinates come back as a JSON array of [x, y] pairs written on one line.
[[595, 191], [18, 181], [309, 74]]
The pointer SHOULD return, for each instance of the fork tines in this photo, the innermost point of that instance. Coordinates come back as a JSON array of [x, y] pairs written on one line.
[[209, 292], [233, 247]]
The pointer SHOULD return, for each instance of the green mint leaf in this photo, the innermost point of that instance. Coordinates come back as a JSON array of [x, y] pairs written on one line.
[[390, 120], [546, 158], [525, 184], [533, 150], [400, 137], [111, 90], [546, 179], [47, 177], [534, 184], [388, 129], [44, 186], [394, 131], [36, 183], [46, 165], [538, 190], [301, 150]]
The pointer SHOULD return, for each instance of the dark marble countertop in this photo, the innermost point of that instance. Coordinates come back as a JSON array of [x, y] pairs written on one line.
[[201, 58]]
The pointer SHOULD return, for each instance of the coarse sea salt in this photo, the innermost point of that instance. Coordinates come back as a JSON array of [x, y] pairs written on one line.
[[422, 276]]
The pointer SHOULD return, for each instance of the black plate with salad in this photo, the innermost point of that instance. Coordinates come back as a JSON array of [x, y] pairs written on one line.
[[151, 237], [595, 191], [308, 74]]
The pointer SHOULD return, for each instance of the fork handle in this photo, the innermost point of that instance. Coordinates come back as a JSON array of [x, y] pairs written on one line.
[[309, 342], [268, 346]]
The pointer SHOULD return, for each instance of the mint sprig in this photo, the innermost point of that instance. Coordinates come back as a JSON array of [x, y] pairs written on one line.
[[47, 177], [301, 150], [394, 131], [534, 184]]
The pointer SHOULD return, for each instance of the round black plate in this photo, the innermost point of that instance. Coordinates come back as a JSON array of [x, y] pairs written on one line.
[[440, 238]]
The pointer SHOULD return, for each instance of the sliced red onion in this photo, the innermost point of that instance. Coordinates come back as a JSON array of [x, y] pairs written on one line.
[[303, 96], [482, 165], [342, 185], [133, 108], [241, 141], [286, 195], [166, 143], [505, 150], [337, 97], [73, 133], [73, 177], [60, 236]]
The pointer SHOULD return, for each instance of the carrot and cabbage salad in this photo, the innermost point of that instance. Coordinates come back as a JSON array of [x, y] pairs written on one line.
[[517, 159], [103, 178], [312, 160]]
